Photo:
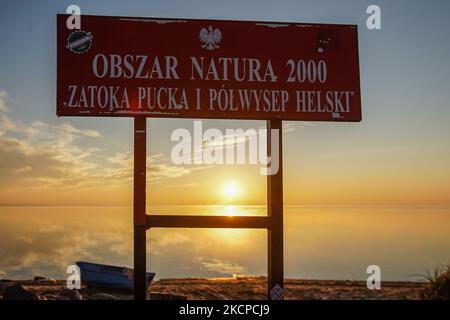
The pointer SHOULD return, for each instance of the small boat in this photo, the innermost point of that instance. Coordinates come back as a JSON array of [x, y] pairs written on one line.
[[101, 275]]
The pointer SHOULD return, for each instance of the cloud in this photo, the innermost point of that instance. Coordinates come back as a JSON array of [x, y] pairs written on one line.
[[3, 96], [184, 185], [23, 169], [42, 156], [240, 137], [6, 124], [221, 267], [158, 167]]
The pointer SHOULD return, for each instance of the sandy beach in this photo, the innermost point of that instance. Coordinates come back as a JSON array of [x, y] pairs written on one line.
[[240, 288]]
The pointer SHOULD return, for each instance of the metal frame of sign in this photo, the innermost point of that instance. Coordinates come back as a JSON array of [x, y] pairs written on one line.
[[72, 70], [273, 222]]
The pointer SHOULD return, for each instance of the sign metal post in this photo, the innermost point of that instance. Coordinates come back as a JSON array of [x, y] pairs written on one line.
[[275, 275], [139, 207]]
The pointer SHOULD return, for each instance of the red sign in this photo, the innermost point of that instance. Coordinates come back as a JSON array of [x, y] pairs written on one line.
[[214, 69]]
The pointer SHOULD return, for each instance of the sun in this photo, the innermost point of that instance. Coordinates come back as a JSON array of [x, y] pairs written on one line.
[[231, 190]]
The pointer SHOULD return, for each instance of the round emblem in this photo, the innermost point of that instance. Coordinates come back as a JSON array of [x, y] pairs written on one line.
[[79, 41]]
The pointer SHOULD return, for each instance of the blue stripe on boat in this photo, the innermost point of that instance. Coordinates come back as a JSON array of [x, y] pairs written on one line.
[[102, 275]]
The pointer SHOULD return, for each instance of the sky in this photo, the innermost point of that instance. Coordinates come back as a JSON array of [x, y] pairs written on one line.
[[398, 155]]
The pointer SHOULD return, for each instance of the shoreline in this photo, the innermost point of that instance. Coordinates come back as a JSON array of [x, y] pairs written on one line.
[[239, 288]]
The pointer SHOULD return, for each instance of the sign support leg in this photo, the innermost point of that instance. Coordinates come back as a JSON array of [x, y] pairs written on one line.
[[275, 285], [139, 208]]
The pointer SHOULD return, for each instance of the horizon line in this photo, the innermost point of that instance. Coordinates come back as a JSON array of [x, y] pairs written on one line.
[[440, 206]]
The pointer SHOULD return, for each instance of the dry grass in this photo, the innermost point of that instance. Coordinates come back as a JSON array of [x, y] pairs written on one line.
[[250, 288], [438, 287], [254, 288]]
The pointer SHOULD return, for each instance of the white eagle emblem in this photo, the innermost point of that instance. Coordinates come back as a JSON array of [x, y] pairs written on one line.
[[210, 39]]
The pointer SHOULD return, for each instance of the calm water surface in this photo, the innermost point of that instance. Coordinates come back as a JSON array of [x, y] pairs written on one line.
[[320, 242]]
